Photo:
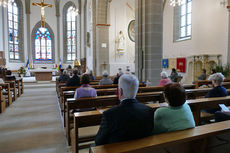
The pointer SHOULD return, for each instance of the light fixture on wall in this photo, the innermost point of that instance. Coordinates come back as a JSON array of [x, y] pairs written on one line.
[[4, 3], [74, 11], [223, 3], [175, 2]]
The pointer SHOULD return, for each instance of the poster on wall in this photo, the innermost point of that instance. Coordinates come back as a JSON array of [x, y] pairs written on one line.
[[181, 64], [131, 30], [172, 63], [165, 63]]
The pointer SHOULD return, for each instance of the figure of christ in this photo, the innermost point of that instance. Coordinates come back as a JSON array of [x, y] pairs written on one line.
[[43, 6]]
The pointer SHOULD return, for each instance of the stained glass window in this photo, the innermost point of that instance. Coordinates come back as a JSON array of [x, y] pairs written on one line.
[[185, 19], [43, 44], [71, 34], [13, 22]]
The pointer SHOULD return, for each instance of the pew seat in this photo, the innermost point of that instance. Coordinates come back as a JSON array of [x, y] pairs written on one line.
[[199, 139]]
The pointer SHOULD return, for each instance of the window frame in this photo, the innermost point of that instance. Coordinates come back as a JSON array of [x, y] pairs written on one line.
[[46, 45], [65, 41], [178, 25], [33, 37], [20, 31]]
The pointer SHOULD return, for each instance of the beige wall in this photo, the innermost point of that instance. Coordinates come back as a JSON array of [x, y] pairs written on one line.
[[209, 31]]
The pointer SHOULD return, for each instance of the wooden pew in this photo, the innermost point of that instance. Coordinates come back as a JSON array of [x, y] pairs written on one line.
[[18, 87], [13, 89], [92, 118], [64, 88], [199, 139], [7, 93], [207, 82], [112, 91], [191, 94], [2, 101], [102, 101], [22, 85]]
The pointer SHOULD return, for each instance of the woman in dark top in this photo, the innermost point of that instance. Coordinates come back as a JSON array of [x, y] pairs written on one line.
[[218, 90]]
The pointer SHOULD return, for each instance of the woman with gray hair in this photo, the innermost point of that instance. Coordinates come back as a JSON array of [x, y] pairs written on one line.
[[164, 79], [218, 90], [105, 80]]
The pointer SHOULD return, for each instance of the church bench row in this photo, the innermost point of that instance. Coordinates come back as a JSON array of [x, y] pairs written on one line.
[[100, 101], [3, 104], [111, 89], [13, 89], [206, 82], [152, 96], [92, 118], [7, 93], [103, 101], [10, 90], [200, 139], [62, 89], [191, 93]]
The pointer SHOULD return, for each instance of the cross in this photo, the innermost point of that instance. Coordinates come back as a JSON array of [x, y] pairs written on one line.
[[43, 6], [104, 65]]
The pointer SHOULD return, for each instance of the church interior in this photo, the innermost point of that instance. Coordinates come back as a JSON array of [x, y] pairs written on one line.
[[46, 43]]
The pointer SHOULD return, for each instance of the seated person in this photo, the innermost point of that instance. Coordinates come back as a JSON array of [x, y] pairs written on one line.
[[222, 116], [174, 75], [85, 90], [116, 79], [202, 76], [64, 76], [213, 71], [75, 80], [127, 121], [178, 115], [91, 76], [164, 79], [105, 80], [218, 90], [9, 77]]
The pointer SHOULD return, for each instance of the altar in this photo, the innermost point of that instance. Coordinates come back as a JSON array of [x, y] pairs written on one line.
[[43, 74]]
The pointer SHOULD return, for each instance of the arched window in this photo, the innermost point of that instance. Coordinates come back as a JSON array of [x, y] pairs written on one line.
[[183, 21], [70, 32], [43, 44], [15, 30]]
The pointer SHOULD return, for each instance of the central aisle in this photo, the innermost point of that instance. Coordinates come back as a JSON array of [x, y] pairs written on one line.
[[33, 124]]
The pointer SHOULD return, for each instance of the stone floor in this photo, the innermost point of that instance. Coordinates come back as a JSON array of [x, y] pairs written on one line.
[[32, 124]]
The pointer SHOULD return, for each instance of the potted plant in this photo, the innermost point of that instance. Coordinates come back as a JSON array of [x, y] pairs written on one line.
[[21, 71], [225, 70]]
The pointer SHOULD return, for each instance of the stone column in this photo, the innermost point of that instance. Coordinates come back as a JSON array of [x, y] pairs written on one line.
[[29, 49], [101, 55], [228, 52], [149, 35], [57, 5], [1, 29]]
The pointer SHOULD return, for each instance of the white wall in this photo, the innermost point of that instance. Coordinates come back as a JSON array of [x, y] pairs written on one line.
[[120, 16], [1, 30], [209, 31]]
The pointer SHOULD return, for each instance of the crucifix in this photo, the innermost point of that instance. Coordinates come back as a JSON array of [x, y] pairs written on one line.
[[104, 65], [43, 6]]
